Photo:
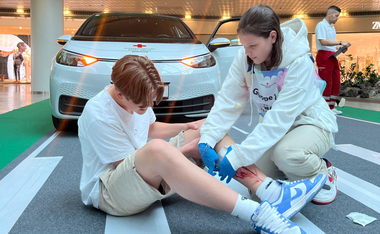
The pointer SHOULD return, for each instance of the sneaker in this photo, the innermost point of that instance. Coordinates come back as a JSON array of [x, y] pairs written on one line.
[[296, 194], [266, 219], [329, 190], [342, 102], [337, 112]]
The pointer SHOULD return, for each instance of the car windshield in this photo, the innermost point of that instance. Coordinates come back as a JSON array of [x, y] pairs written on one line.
[[134, 26]]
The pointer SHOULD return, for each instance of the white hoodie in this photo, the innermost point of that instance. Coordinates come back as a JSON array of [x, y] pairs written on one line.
[[299, 101]]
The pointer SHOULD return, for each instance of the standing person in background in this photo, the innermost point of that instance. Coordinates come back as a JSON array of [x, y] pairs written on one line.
[[17, 60], [328, 68]]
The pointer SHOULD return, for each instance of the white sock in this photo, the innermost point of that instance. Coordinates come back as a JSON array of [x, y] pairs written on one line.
[[269, 190], [244, 208]]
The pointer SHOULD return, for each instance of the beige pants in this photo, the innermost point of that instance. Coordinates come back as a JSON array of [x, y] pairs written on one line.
[[123, 192], [297, 155]]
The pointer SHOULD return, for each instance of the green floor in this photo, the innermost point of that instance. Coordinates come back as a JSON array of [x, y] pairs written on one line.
[[369, 115], [23, 127]]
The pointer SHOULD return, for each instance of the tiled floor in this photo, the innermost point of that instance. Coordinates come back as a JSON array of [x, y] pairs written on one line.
[[369, 105], [14, 96]]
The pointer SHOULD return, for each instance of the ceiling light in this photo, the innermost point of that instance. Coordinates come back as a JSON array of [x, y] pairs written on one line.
[[20, 11], [66, 12]]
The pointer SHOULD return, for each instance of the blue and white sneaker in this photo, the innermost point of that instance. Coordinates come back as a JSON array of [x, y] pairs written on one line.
[[296, 194], [267, 220]]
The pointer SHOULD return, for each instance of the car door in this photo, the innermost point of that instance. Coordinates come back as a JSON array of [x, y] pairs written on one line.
[[224, 43]]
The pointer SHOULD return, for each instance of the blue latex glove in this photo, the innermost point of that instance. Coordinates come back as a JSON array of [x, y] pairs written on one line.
[[209, 157], [225, 169]]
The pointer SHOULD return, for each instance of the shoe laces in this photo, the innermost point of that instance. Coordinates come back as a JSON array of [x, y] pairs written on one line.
[[288, 182], [268, 217], [332, 173]]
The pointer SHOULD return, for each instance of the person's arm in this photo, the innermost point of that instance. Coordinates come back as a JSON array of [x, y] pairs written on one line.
[[229, 104], [165, 130], [325, 42], [321, 35], [227, 108]]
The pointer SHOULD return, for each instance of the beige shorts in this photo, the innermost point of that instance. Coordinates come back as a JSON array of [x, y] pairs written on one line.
[[123, 192]]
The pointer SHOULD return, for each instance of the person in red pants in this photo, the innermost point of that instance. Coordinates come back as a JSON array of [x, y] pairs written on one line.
[[328, 68]]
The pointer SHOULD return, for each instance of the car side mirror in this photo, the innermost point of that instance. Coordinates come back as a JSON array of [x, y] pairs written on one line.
[[62, 40], [218, 43]]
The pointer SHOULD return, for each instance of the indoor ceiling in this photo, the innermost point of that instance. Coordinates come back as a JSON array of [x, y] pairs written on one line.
[[200, 8]]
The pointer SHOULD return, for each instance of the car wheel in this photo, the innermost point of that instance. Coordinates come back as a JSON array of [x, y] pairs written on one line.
[[65, 124]]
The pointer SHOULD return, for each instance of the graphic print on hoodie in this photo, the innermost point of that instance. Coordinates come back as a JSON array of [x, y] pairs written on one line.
[[265, 87]]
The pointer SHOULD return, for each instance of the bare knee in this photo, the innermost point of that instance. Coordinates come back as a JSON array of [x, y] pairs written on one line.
[[159, 149], [157, 145]]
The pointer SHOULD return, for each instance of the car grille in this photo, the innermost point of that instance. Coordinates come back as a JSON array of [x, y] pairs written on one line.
[[192, 106], [74, 90], [74, 106], [71, 105]]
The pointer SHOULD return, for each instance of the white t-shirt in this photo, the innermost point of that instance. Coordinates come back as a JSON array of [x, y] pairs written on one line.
[[107, 134], [325, 31]]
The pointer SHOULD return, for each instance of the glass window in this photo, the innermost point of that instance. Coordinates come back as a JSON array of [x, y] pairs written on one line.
[[137, 26], [229, 30]]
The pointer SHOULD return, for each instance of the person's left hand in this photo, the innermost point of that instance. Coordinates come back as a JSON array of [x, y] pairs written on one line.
[[225, 169]]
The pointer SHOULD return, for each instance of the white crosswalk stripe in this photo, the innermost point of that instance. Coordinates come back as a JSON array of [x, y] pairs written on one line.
[[369, 155], [23, 183], [360, 190]]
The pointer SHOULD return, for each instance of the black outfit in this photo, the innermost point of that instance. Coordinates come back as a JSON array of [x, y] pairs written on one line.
[[18, 59]]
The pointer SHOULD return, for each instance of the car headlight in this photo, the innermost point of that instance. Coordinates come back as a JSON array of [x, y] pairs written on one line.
[[202, 61], [71, 59]]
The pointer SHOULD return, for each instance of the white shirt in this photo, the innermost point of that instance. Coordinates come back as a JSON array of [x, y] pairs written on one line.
[[325, 31], [107, 134]]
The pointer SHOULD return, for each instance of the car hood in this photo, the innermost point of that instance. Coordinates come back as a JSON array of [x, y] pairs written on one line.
[[154, 51]]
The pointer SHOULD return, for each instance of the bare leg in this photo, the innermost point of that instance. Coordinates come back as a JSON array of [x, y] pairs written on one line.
[[191, 134], [192, 139], [159, 160], [249, 176]]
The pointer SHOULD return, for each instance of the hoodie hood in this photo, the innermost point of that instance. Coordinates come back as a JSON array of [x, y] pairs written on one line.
[[295, 42]]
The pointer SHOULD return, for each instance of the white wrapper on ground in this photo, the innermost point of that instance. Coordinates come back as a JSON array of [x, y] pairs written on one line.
[[360, 218]]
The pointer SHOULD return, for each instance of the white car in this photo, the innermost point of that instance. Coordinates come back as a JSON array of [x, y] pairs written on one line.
[[192, 72]]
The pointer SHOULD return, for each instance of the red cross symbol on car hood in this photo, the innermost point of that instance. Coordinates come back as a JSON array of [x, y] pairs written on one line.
[[139, 46]]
